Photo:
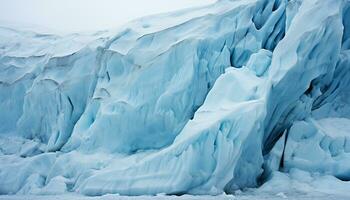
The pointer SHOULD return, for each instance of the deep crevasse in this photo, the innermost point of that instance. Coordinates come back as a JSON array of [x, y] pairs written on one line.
[[192, 103]]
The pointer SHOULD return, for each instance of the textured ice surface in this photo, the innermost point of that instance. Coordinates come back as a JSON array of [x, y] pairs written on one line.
[[203, 101], [320, 146]]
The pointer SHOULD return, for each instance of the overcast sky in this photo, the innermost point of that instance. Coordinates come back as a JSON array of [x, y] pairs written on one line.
[[85, 15]]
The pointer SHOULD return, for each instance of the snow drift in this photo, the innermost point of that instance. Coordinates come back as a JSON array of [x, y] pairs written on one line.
[[199, 101]]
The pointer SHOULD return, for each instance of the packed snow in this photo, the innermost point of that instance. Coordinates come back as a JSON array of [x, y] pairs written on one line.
[[247, 97]]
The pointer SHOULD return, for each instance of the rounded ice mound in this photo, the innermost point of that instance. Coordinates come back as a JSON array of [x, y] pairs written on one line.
[[260, 61]]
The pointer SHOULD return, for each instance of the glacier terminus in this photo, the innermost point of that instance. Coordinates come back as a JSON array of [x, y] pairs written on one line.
[[238, 95]]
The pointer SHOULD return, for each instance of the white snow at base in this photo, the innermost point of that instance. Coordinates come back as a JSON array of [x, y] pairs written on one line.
[[301, 183], [170, 106]]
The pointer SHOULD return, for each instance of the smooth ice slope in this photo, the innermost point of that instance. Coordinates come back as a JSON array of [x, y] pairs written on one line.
[[187, 102]]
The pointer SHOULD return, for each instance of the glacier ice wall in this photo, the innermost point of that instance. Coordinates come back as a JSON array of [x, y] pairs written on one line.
[[199, 101]]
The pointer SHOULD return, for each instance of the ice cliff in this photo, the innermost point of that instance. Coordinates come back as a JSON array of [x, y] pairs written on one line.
[[201, 101]]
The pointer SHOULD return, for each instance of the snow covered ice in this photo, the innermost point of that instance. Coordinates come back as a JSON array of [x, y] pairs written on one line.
[[238, 95]]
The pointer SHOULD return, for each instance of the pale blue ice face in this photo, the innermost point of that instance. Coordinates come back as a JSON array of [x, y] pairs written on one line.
[[202, 101]]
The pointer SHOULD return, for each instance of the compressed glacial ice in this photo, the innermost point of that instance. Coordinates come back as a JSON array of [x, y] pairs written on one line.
[[202, 101], [321, 146]]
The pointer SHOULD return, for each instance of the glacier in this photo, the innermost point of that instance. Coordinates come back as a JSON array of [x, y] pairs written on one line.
[[209, 100]]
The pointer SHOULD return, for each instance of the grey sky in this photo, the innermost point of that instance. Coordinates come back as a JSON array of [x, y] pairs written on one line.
[[85, 15]]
